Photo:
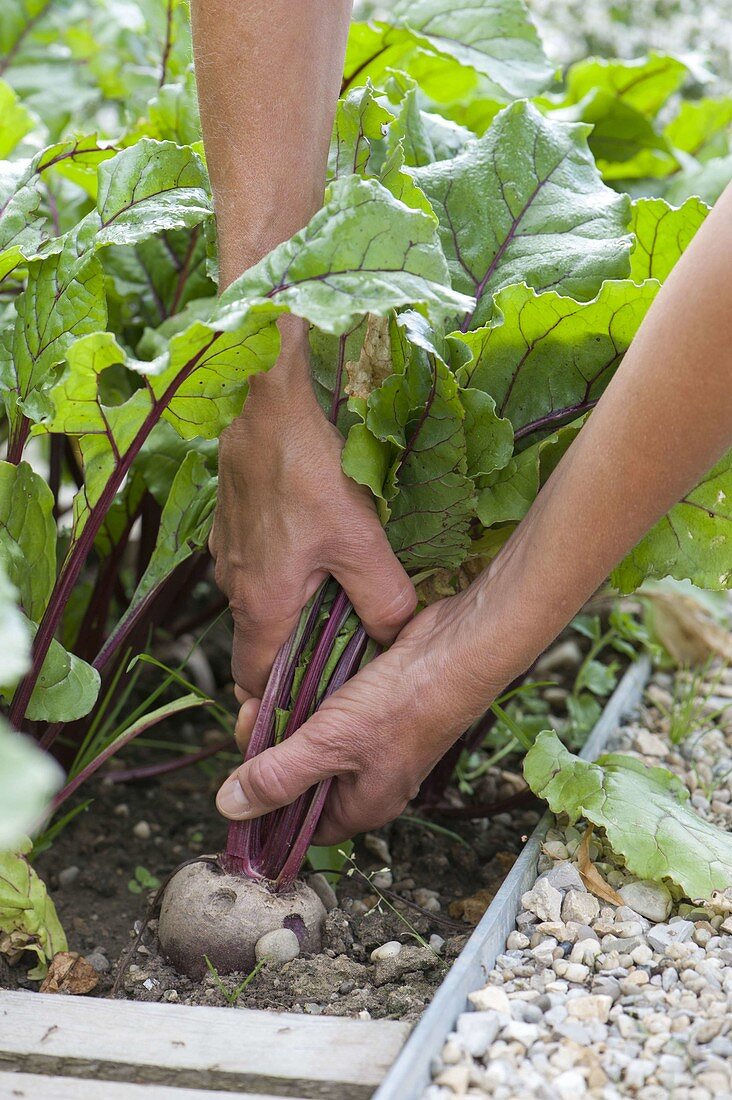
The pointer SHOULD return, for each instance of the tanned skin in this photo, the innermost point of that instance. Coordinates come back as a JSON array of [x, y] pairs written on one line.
[[268, 77]]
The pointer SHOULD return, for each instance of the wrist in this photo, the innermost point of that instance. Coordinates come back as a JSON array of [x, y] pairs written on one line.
[[517, 607], [285, 390]]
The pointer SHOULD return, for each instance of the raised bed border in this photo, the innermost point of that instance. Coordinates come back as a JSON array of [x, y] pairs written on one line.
[[410, 1074], [52, 1038]]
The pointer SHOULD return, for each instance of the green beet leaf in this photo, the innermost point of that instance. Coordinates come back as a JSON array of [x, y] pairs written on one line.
[[173, 113], [21, 218], [162, 455], [15, 637], [545, 358], [19, 17], [198, 386], [644, 812], [546, 218], [409, 127], [363, 252], [692, 542], [148, 188], [644, 83], [185, 524], [27, 538], [29, 778], [64, 299], [448, 49], [15, 120], [624, 141], [67, 687], [706, 180], [662, 233], [497, 40], [418, 419], [507, 494], [202, 381], [701, 127], [419, 441], [360, 124], [28, 919], [24, 225]]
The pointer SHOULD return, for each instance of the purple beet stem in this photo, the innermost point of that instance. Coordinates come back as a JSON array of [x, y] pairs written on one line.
[[273, 847]]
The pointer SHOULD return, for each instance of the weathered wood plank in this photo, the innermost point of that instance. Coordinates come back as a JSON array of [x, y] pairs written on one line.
[[410, 1073], [34, 1086], [233, 1050]]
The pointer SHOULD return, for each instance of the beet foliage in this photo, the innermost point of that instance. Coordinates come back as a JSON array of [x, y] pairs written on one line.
[[471, 282]]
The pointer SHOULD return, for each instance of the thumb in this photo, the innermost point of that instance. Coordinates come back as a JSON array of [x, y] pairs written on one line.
[[273, 778], [376, 583]]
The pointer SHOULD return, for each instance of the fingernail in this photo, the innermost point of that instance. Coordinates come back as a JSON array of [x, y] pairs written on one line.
[[231, 800]]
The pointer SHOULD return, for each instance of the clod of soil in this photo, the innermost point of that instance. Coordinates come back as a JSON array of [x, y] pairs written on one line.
[[208, 912]]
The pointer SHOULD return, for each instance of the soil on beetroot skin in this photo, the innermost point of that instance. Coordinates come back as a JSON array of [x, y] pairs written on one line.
[[158, 825]]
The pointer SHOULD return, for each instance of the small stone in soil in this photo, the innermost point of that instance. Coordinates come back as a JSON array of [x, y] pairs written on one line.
[[378, 847], [387, 951], [279, 946], [663, 935], [492, 997], [99, 961], [564, 876], [142, 830], [324, 890], [68, 875]]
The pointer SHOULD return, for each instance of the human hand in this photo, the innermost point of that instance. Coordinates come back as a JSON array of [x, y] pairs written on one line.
[[381, 733], [287, 516]]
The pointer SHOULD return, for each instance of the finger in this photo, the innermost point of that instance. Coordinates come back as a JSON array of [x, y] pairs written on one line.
[[377, 584], [274, 778], [259, 633], [245, 720], [240, 694], [346, 814]]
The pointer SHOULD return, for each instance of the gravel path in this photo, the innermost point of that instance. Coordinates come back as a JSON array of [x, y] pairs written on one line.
[[594, 1000]]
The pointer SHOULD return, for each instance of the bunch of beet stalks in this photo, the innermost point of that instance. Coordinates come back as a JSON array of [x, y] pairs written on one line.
[[328, 646]]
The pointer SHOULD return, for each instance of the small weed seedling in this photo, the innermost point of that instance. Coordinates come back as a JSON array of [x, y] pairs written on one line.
[[143, 880], [231, 996]]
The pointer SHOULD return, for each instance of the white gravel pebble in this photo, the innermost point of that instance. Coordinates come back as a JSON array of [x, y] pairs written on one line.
[[544, 900], [580, 906], [650, 899], [607, 1002], [387, 951]]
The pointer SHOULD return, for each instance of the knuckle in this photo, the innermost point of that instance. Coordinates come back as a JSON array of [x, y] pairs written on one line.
[[342, 744], [267, 780], [256, 604], [397, 607]]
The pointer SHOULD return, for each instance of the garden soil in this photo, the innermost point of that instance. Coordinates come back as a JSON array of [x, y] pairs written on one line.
[[435, 889]]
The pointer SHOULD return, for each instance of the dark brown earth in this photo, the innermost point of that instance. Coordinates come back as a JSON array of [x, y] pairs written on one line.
[[156, 825], [438, 884]]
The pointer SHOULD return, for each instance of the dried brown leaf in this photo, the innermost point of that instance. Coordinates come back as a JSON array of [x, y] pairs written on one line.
[[687, 630], [374, 363], [69, 973], [590, 875], [448, 582]]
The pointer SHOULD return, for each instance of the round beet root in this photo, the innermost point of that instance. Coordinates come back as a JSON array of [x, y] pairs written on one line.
[[208, 912]]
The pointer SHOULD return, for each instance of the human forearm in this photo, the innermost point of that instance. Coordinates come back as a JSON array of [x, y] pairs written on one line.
[[664, 420], [268, 76]]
